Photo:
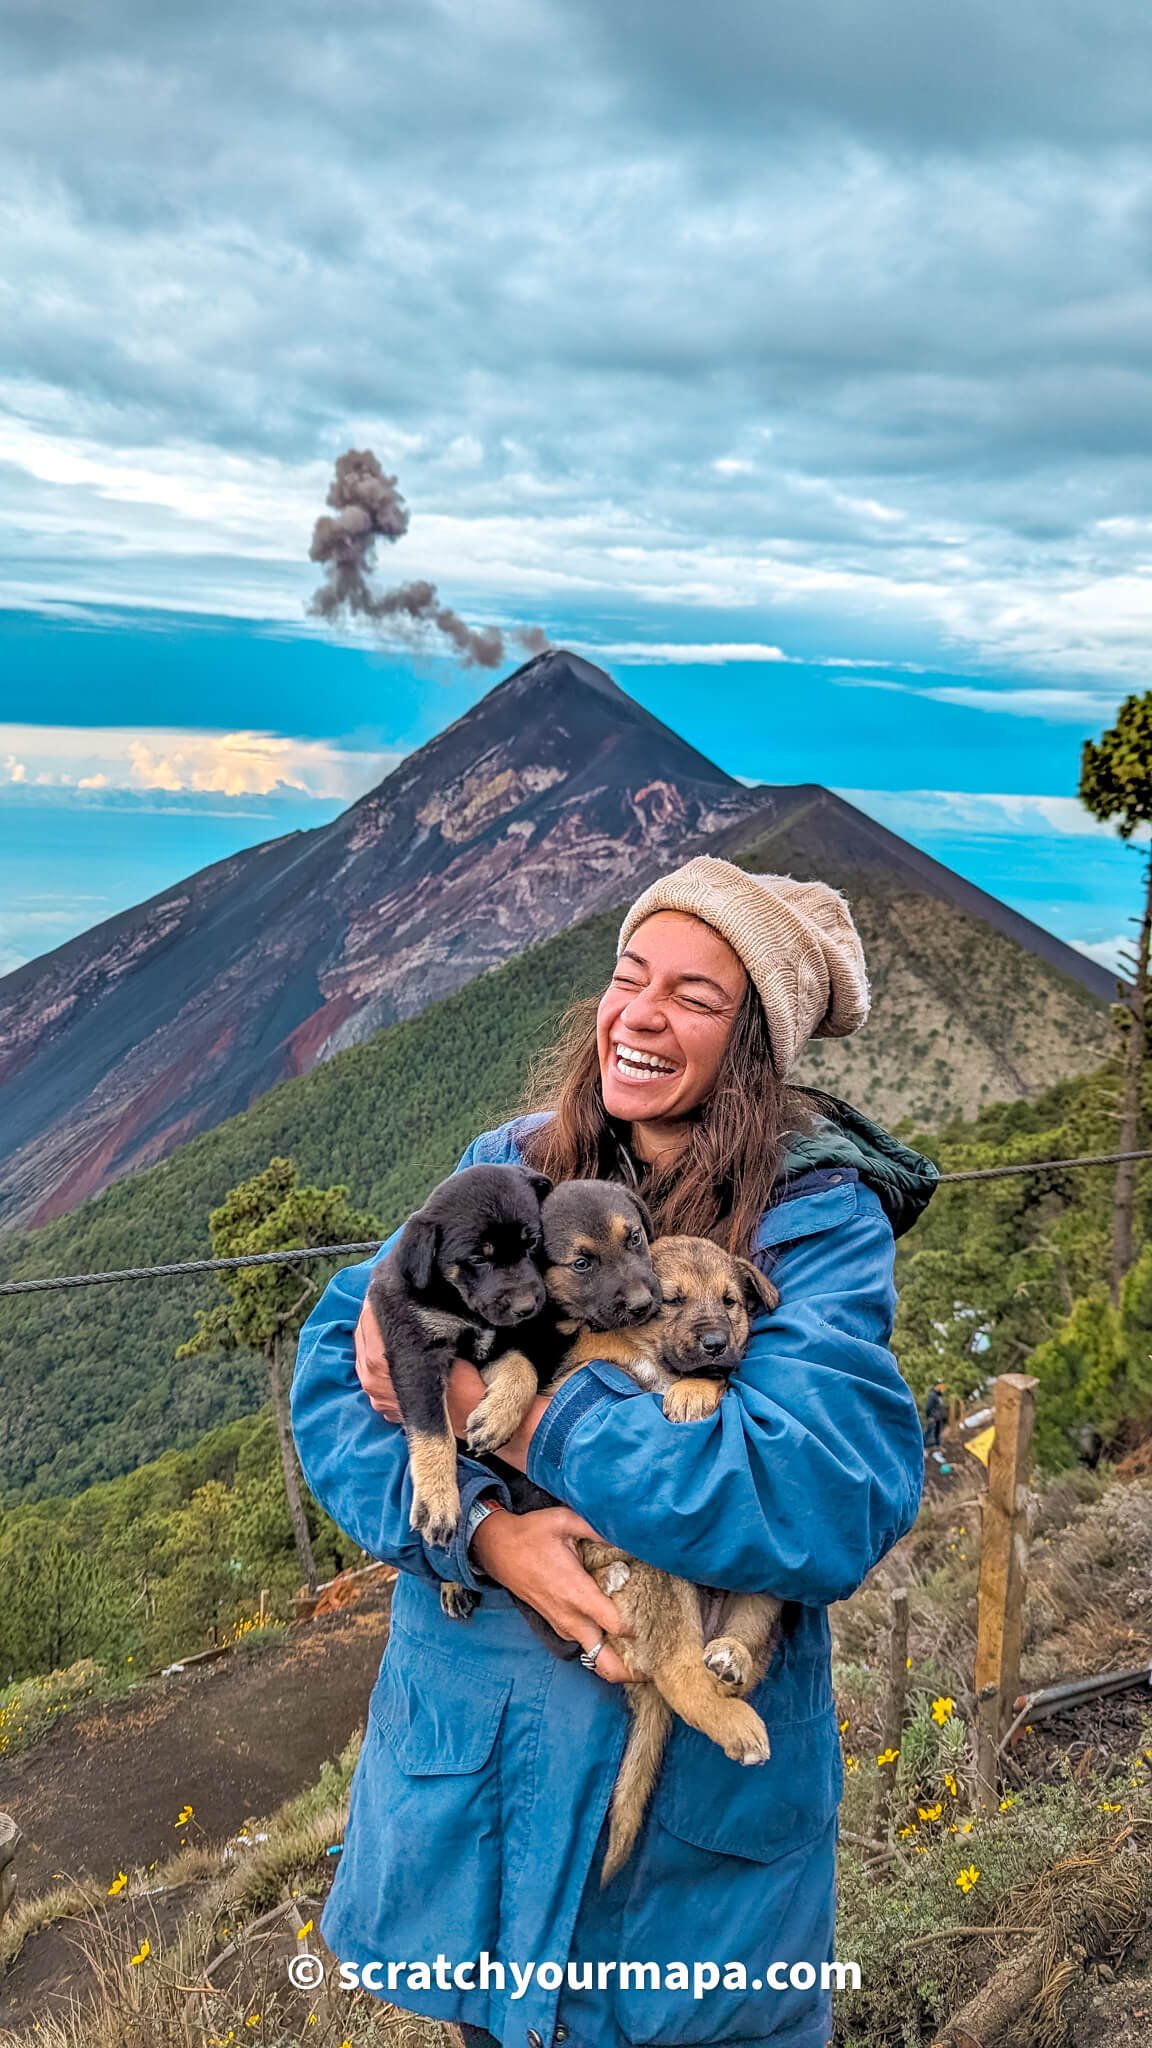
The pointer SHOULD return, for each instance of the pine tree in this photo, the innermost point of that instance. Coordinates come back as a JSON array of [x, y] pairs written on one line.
[[266, 1305], [1116, 783]]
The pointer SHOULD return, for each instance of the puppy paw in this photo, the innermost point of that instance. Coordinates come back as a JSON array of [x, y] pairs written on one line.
[[615, 1577], [491, 1424], [437, 1522], [746, 1740], [730, 1663], [458, 1602], [692, 1400]]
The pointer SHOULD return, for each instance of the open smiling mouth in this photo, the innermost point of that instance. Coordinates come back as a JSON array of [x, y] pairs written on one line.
[[633, 1065]]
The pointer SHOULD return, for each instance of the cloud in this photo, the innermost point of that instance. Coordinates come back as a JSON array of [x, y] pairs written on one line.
[[707, 653], [100, 761], [1106, 952], [915, 812], [1071, 706], [870, 345]]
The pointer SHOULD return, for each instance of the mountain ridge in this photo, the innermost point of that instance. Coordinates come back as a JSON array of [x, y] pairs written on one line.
[[553, 796]]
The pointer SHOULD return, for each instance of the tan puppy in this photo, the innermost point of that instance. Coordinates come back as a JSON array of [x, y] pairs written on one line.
[[686, 1351]]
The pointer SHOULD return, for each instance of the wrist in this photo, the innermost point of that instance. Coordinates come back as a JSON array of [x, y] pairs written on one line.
[[479, 1513]]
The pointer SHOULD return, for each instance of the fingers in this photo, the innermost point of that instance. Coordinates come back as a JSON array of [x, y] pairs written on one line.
[[608, 1665]]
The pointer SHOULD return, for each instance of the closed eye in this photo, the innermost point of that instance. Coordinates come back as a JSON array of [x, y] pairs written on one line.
[[673, 1300]]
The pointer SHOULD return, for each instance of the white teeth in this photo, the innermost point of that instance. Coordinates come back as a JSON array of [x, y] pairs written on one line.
[[630, 1058]]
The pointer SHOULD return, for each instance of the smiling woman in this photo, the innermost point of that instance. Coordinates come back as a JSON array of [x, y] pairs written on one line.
[[478, 1811]]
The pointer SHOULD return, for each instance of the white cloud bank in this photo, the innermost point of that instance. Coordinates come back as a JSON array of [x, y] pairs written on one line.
[[232, 764]]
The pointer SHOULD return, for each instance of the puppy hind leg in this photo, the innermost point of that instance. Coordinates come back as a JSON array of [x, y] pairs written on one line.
[[738, 1654], [512, 1384], [676, 1663], [459, 1603]]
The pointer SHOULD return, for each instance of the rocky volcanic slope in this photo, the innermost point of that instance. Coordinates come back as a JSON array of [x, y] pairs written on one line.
[[555, 796], [549, 799]]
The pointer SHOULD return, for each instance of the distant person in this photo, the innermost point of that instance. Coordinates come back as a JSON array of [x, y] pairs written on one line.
[[477, 1819], [935, 1415]]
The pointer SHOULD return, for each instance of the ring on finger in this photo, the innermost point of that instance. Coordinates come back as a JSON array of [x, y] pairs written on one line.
[[588, 1657]]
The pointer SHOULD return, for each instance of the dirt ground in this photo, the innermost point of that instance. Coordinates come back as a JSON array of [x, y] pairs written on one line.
[[232, 1739]]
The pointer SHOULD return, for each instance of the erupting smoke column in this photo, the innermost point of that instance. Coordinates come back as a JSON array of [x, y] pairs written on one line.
[[368, 508]]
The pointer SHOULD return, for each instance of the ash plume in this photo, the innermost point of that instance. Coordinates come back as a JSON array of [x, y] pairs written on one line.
[[368, 508]]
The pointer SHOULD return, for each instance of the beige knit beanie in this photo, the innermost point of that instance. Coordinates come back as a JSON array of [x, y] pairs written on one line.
[[796, 939]]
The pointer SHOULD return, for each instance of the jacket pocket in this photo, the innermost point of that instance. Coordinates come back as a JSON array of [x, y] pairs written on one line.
[[423, 1850], [757, 1811], [439, 1715]]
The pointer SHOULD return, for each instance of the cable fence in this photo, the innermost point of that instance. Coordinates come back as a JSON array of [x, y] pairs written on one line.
[[54, 1283]]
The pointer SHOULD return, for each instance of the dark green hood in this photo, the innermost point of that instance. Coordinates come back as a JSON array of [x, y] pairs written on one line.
[[903, 1179]]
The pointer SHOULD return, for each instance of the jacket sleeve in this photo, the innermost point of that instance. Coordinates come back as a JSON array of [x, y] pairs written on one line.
[[811, 1467], [356, 1462]]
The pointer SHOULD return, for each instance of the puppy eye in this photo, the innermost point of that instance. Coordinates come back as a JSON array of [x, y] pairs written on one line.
[[673, 1300], [731, 1301], [582, 1263], [636, 1240]]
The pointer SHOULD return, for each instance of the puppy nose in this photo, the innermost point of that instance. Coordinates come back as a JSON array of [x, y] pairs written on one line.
[[525, 1304], [713, 1343], [640, 1303]]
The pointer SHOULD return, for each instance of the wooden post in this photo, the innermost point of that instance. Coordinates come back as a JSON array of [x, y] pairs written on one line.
[[1004, 1548], [895, 1705], [263, 1605], [10, 1839]]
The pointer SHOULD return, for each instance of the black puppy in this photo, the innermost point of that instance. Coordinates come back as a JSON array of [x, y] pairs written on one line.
[[599, 1275], [462, 1272]]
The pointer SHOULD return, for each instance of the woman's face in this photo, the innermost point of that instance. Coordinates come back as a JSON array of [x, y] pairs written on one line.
[[664, 1018]]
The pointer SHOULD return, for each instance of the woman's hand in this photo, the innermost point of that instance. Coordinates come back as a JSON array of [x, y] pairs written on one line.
[[372, 1366], [535, 1556], [465, 1390]]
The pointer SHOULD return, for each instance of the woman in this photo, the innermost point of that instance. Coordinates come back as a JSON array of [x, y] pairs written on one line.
[[478, 1805]]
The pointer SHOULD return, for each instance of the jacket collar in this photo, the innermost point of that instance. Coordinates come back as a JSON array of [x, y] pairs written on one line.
[[843, 1137]]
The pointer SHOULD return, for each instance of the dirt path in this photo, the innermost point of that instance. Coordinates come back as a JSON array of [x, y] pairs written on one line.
[[232, 1739]]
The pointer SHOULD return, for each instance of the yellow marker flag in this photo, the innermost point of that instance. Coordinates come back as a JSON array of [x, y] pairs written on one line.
[[982, 1444]]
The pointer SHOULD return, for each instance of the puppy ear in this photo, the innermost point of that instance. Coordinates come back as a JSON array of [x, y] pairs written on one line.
[[644, 1213], [758, 1289], [539, 1182], [416, 1251]]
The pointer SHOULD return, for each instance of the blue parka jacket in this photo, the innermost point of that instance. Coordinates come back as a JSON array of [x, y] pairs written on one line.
[[478, 1804]]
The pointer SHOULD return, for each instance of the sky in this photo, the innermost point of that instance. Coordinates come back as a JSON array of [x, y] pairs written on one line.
[[791, 363]]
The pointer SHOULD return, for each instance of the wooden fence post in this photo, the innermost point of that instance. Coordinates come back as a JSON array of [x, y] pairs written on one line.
[[1004, 1547], [895, 1705], [10, 1839]]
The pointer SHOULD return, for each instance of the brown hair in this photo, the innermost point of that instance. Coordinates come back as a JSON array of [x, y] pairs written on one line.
[[719, 1185]]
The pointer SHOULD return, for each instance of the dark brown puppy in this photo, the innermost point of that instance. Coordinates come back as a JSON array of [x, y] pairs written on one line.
[[686, 1351], [462, 1273]]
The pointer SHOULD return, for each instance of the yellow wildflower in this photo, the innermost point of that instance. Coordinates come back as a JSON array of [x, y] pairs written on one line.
[[183, 1817], [888, 1756], [301, 1932], [930, 1812], [906, 1831], [118, 1883], [143, 1952], [851, 1763], [950, 1784], [1006, 1802], [941, 1709], [1106, 1806], [968, 1878]]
